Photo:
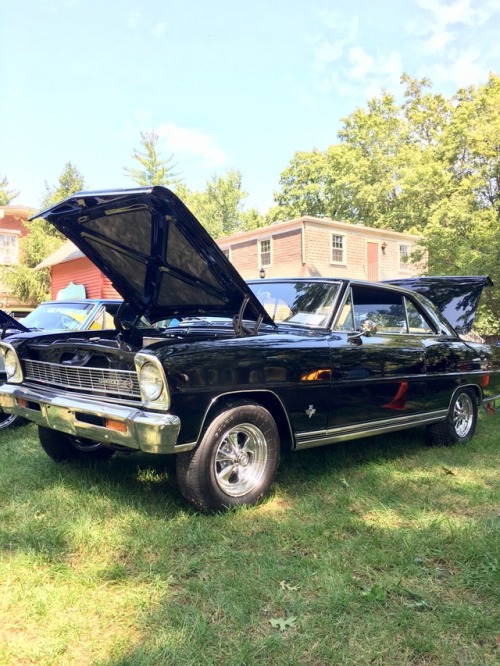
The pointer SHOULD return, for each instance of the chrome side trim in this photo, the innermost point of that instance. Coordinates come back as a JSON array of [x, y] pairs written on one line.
[[491, 399], [306, 440]]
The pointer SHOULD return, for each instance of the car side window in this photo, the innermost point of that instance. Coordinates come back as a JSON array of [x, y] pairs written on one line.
[[391, 312], [382, 306], [416, 320]]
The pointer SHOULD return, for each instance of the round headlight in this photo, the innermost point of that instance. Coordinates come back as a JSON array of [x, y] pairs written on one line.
[[150, 381], [10, 360]]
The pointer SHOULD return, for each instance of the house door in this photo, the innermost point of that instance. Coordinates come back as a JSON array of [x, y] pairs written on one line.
[[372, 261]]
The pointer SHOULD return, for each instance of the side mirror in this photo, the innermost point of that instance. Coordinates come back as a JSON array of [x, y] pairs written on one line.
[[367, 328]]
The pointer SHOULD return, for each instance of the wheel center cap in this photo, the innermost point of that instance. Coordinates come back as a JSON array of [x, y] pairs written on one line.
[[243, 459]]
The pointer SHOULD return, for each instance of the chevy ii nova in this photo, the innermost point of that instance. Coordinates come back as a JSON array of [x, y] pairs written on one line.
[[227, 374]]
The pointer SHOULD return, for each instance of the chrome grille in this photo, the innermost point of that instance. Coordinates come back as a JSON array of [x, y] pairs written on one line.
[[107, 382]]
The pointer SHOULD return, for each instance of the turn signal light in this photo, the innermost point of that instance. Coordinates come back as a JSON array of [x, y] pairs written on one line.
[[118, 426]]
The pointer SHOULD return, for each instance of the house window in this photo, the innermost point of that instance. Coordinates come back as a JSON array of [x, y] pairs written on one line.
[[265, 252], [9, 248], [404, 257], [337, 249]]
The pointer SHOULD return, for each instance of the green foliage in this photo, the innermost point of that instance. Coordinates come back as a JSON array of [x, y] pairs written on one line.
[[429, 166], [6, 195], [26, 283], [154, 171], [70, 182], [28, 286], [220, 207]]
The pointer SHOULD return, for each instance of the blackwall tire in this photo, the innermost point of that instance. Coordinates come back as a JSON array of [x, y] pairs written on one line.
[[61, 447], [236, 461], [460, 423]]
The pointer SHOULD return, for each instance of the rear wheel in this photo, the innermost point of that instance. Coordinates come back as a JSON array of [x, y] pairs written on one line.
[[460, 423], [61, 447], [235, 462]]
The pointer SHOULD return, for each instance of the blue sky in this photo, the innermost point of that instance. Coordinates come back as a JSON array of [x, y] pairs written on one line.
[[226, 84]]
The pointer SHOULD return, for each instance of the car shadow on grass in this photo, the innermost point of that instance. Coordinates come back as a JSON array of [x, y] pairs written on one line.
[[148, 482]]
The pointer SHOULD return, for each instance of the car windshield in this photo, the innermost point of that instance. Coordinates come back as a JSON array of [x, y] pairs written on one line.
[[58, 316], [298, 303]]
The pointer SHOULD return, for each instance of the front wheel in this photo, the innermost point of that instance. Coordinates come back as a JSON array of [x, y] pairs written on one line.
[[61, 447], [460, 423], [236, 461], [10, 420]]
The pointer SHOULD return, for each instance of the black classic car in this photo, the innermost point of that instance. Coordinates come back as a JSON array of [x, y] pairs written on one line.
[[231, 373]]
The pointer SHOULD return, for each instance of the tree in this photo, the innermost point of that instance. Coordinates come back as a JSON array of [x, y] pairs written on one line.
[[463, 230], [429, 166], [6, 195], [70, 182], [220, 207], [317, 183], [25, 283], [155, 171]]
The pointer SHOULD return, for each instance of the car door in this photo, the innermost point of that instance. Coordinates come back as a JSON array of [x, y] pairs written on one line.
[[378, 374]]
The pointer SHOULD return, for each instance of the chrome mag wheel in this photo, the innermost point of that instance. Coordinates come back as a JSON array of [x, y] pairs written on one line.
[[240, 460], [463, 414]]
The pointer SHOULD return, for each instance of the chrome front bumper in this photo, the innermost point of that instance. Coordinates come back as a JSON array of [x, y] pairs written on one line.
[[152, 432]]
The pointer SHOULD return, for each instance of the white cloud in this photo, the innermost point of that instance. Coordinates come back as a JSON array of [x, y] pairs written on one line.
[[342, 64], [464, 69], [188, 143], [446, 32], [458, 12], [159, 29], [462, 13], [354, 58], [132, 20], [361, 63], [326, 51], [439, 40]]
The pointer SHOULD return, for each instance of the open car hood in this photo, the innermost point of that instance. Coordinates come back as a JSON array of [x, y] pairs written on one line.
[[457, 297], [9, 325], [156, 253]]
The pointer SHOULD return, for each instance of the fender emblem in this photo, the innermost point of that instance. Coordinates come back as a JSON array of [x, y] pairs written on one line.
[[310, 411]]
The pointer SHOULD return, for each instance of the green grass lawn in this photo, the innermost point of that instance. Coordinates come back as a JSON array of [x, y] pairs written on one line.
[[380, 551]]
